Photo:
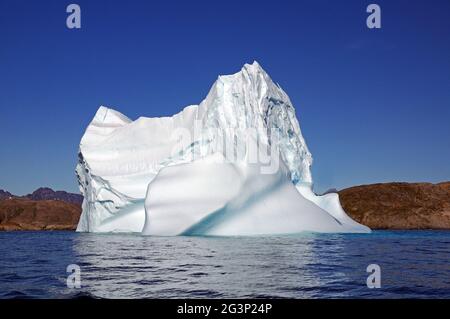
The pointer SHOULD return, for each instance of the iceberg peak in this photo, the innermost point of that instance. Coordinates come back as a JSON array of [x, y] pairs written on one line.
[[250, 99], [253, 66]]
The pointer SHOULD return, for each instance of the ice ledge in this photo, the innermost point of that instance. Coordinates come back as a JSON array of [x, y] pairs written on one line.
[[107, 116]]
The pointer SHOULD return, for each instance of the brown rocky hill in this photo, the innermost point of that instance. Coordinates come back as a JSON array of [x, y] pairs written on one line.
[[399, 205], [44, 209], [25, 214]]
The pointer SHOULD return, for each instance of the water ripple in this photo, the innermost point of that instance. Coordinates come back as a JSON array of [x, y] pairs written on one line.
[[414, 265]]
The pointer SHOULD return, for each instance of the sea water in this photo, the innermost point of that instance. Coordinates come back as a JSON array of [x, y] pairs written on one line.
[[412, 264]]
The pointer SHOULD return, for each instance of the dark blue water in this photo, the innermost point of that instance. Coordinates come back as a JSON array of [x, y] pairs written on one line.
[[414, 264]]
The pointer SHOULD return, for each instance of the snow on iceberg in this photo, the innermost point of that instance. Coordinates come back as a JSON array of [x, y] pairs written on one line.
[[236, 164]]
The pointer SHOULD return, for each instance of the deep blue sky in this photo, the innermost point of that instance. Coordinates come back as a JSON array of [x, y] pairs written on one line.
[[374, 105]]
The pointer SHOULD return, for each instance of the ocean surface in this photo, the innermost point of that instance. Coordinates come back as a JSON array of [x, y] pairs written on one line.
[[414, 264]]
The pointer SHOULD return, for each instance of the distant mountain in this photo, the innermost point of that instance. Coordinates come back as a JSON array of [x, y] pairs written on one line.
[[45, 193], [5, 195]]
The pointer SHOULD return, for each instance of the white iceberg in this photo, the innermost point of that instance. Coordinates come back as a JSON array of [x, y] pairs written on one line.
[[236, 164]]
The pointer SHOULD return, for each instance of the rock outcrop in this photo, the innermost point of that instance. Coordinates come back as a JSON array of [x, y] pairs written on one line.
[[399, 205], [44, 209], [25, 214]]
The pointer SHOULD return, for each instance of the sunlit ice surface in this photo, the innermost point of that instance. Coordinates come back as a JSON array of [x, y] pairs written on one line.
[[236, 164]]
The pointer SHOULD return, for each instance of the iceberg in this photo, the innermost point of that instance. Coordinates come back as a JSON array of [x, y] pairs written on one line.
[[234, 165]]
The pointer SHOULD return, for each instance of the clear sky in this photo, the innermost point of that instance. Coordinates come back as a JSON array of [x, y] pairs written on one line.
[[373, 105]]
